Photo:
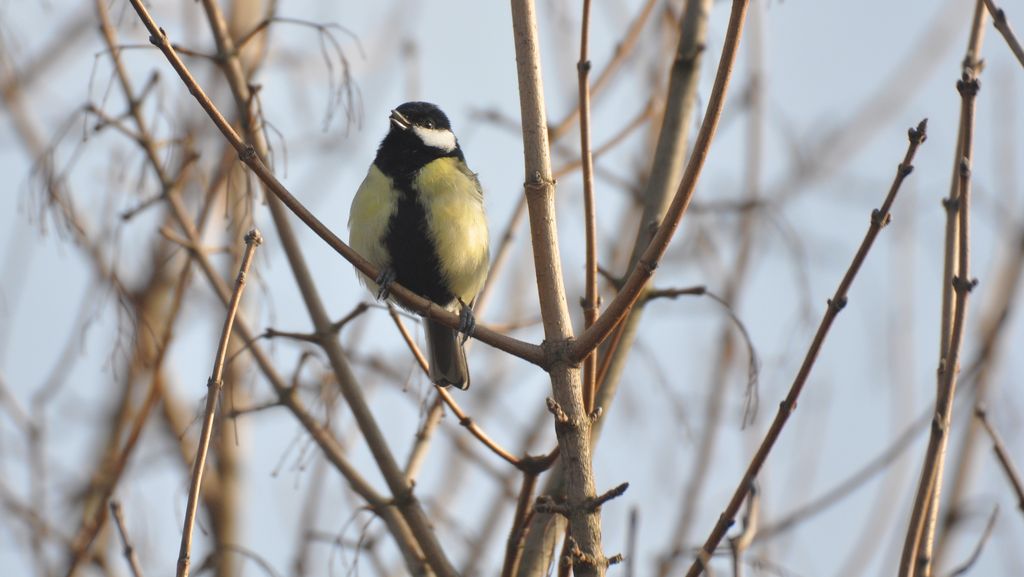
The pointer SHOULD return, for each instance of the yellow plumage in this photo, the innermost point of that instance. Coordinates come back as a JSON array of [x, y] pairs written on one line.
[[419, 218], [455, 218], [368, 219]]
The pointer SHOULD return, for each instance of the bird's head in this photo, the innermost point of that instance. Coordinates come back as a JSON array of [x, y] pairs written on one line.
[[425, 122]]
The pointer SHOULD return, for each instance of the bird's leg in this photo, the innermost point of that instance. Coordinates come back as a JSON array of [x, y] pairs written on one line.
[[467, 321], [384, 280]]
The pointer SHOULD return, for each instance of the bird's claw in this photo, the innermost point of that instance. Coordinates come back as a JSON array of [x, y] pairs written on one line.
[[467, 322], [384, 280]]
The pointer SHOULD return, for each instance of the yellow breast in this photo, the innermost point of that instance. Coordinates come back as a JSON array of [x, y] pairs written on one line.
[[453, 201], [372, 207]]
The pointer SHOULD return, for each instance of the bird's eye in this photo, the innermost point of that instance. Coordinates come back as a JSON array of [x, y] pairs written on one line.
[[429, 124]]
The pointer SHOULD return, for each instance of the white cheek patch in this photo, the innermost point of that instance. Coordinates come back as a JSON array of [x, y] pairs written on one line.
[[439, 138]]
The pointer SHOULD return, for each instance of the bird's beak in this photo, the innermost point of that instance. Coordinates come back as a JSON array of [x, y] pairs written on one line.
[[399, 120]]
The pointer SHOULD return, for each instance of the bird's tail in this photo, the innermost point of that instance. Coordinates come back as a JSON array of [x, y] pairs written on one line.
[[447, 357]]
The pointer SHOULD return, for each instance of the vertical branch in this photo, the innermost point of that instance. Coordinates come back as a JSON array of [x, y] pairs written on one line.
[[916, 558], [252, 240], [971, 64], [666, 169], [622, 50], [572, 422], [539, 185], [949, 266], [591, 305]]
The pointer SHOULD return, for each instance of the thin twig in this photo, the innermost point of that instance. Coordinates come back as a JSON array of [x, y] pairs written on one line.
[[129, 550], [622, 50], [979, 547], [425, 433], [614, 140], [252, 240], [1012, 475], [464, 419], [1003, 26], [972, 65], [590, 303], [879, 218], [751, 522]]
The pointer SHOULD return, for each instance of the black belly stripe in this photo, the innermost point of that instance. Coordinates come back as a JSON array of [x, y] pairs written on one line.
[[413, 252]]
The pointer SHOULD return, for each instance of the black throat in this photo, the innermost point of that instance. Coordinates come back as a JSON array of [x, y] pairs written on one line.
[[401, 154]]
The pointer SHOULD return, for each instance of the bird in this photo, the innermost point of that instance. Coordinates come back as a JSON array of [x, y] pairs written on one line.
[[418, 216]]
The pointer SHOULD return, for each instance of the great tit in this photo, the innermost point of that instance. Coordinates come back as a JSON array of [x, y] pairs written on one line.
[[419, 217]]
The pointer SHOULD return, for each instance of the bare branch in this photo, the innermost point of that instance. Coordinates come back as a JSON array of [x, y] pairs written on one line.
[[129, 550], [976, 554], [916, 555], [252, 240], [1003, 26], [1012, 475]]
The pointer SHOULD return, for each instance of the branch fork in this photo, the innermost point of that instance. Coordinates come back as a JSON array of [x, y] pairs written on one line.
[[549, 504]]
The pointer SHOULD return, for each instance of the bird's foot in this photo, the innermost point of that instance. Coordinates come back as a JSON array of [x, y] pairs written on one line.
[[467, 321], [384, 280]]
